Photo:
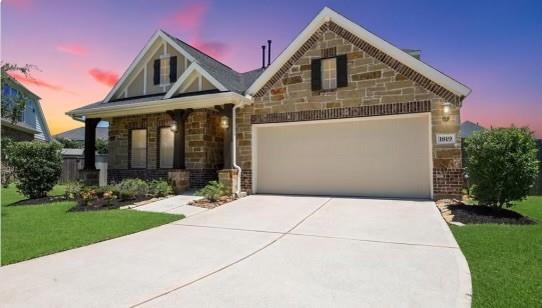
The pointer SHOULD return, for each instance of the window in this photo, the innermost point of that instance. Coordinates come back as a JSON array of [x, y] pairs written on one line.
[[164, 71], [329, 73], [138, 148], [166, 147]]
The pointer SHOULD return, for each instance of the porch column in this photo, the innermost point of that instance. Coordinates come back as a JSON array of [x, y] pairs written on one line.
[[90, 143], [179, 177], [179, 116], [227, 111]]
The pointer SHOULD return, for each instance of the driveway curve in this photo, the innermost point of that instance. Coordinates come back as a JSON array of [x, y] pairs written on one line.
[[261, 251]]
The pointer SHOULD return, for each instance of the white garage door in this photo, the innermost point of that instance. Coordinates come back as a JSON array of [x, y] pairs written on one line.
[[375, 157]]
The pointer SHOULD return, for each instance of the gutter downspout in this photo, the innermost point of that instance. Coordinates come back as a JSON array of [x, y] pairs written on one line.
[[234, 150]]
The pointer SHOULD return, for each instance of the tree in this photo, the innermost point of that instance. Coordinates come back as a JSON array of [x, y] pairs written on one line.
[[502, 165], [101, 146], [37, 165], [13, 106], [70, 144]]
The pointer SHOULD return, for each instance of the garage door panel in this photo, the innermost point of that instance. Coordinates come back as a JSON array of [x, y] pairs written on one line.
[[386, 157]]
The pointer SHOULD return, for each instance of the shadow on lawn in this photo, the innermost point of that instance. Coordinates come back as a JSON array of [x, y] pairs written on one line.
[[41, 201]]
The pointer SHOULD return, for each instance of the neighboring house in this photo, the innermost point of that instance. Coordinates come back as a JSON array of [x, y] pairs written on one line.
[[339, 112], [32, 125], [78, 134], [468, 128]]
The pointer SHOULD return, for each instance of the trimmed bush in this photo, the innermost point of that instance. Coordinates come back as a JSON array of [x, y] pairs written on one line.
[[132, 189], [502, 165], [159, 188], [37, 166], [212, 191]]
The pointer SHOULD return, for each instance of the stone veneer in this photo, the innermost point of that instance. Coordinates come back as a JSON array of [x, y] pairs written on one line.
[[375, 87], [203, 145]]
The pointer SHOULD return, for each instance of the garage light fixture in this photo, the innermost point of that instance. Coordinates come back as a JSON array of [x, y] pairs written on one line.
[[446, 111]]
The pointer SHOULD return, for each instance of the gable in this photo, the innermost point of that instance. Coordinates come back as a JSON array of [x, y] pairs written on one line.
[[140, 80], [391, 56]]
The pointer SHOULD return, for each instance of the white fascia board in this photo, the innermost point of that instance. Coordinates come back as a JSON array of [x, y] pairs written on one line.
[[160, 105], [328, 14], [181, 79], [194, 67]]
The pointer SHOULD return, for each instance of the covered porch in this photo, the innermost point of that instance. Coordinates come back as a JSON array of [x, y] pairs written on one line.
[[188, 140]]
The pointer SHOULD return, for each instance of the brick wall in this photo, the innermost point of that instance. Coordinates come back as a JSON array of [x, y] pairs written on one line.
[[203, 145], [375, 87]]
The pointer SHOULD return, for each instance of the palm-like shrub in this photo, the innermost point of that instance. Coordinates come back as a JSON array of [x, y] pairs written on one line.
[[212, 191]]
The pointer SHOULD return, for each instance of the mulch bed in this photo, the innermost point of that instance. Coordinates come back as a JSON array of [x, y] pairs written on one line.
[[208, 204], [457, 212], [126, 204]]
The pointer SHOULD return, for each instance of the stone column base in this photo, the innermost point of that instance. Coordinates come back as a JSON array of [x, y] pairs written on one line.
[[179, 179], [229, 178], [90, 177]]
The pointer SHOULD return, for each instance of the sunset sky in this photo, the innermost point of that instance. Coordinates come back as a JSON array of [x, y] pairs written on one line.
[[82, 47]]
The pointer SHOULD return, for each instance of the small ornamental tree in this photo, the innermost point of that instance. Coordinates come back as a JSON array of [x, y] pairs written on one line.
[[37, 165], [502, 165]]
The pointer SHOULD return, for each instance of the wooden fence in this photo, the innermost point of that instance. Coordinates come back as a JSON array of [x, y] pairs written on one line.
[[73, 163]]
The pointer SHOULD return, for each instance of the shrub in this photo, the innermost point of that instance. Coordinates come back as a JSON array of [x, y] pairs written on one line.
[[502, 165], [132, 189], [73, 190], [212, 191], [159, 188], [37, 166]]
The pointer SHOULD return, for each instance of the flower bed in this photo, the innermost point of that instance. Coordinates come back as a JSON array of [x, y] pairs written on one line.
[[127, 192], [457, 212]]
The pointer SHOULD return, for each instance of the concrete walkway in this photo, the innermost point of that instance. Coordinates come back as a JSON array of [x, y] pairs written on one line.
[[173, 205], [261, 251]]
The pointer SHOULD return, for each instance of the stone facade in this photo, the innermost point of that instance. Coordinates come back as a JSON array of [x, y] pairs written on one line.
[[203, 143], [375, 87]]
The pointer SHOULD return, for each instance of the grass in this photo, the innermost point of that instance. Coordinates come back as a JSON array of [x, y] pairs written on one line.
[[505, 260], [30, 231]]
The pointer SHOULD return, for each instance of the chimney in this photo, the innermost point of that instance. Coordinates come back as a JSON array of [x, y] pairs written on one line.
[[268, 52], [263, 56]]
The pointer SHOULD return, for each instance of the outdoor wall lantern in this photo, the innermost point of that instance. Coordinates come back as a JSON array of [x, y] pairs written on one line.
[[446, 111], [224, 122], [173, 126]]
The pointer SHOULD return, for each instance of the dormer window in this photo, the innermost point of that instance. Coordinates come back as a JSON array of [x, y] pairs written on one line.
[[329, 73], [164, 70]]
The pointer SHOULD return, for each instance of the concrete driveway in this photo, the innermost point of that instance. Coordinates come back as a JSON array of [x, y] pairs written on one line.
[[261, 251]]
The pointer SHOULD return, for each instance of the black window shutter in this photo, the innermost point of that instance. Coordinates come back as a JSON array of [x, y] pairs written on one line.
[[156, 76], [342, 71], [172, 69], [316, 75]]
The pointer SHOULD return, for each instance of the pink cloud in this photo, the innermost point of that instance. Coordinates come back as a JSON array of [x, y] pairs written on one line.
[[72, 48], [19, 4], [214, 49], [108, 78], [189, 17], [36, 82]]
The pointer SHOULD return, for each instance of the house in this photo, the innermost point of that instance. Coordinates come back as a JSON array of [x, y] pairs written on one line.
[[339, 112], [32, 125], [468, 128], [78, 134]]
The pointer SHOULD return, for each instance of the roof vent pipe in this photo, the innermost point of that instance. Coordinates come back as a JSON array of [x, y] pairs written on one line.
[[263, 56], [268, 52]]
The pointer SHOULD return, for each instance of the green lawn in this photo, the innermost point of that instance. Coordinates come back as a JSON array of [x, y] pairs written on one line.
[[29, 231], [505, 260]]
